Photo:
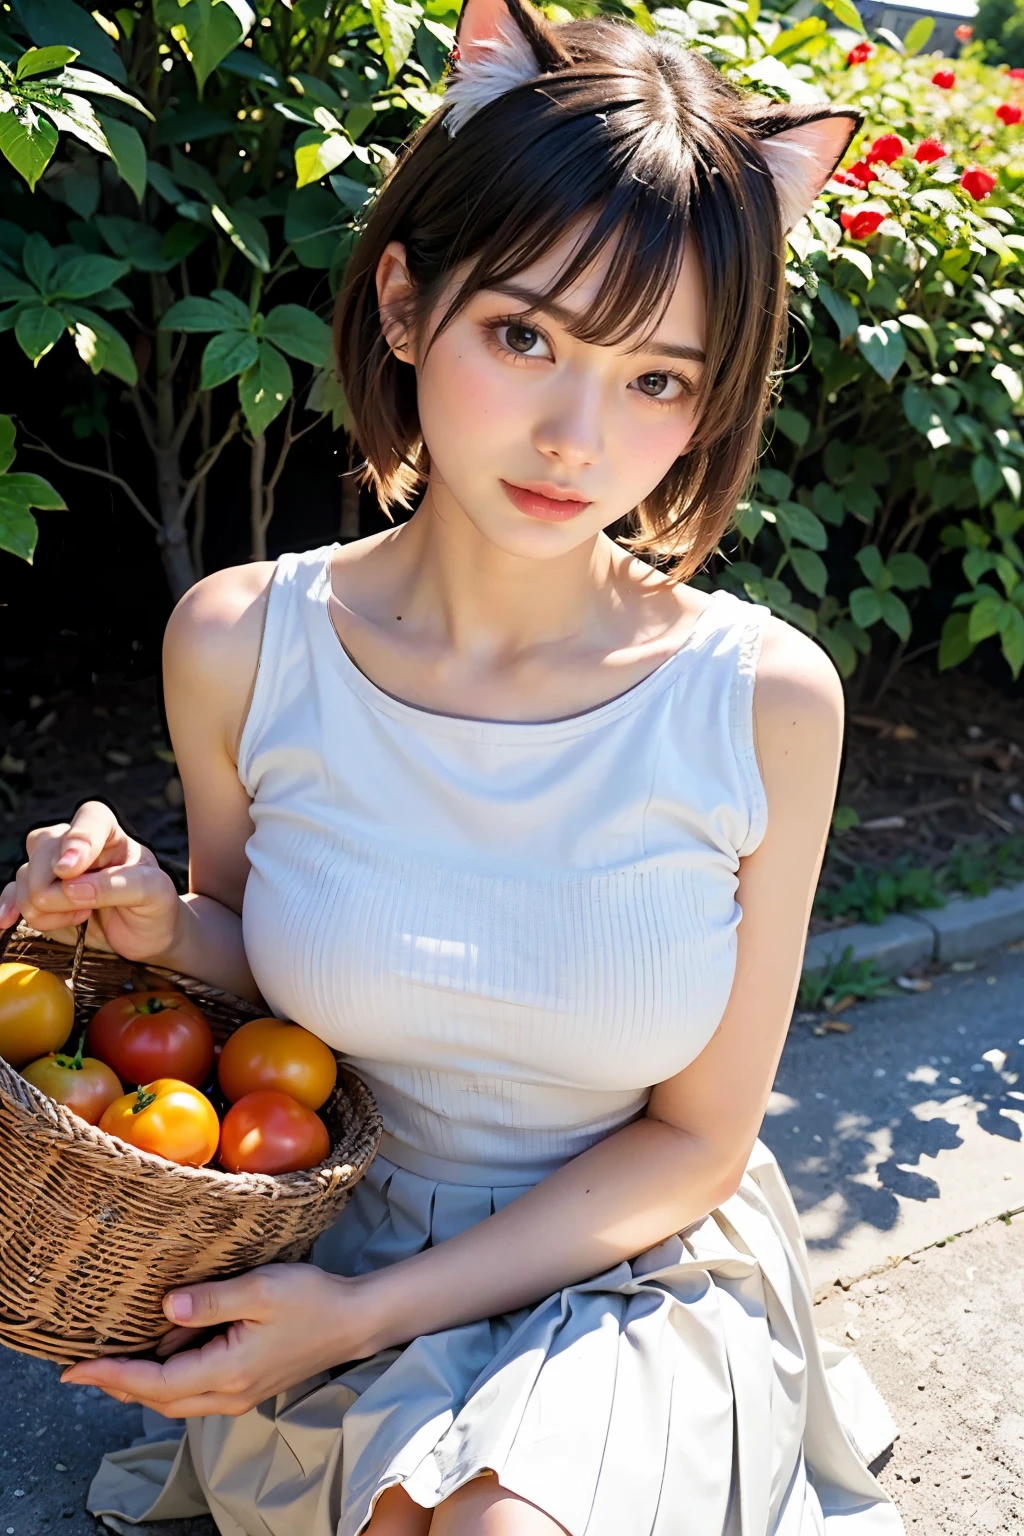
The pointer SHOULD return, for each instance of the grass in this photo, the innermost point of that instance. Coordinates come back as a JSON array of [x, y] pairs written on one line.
[[843, 977], [871, 894]]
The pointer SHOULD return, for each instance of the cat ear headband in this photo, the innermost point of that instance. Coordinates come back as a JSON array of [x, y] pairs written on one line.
[[501, 44]]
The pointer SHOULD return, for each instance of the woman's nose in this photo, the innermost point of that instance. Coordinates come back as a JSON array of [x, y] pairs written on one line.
[[571, 431]]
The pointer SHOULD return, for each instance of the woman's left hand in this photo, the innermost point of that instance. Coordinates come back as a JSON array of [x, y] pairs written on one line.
[[283, 1323]]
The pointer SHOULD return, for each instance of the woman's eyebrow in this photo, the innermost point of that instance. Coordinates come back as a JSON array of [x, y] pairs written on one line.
[[545, 306]]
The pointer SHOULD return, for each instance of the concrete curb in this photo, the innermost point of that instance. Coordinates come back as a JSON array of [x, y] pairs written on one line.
[[965, 927]]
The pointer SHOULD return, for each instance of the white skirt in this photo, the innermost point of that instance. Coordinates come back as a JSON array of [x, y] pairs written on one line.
[[682, 1393]]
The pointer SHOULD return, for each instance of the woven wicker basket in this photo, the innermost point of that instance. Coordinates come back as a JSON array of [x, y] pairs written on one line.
[[93, 1232]]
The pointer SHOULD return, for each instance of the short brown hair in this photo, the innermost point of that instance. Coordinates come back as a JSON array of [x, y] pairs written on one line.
[[648, 142]]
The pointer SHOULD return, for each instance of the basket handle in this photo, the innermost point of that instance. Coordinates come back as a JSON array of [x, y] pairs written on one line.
[[76, 960]]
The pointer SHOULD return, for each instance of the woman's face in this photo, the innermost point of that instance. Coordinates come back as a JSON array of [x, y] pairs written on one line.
[[539, 438]]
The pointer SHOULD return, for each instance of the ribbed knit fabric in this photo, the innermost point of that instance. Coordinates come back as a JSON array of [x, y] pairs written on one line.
[[511, 929]]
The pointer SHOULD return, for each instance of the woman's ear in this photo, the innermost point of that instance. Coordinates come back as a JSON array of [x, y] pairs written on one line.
[[394, 296], [803, 155]]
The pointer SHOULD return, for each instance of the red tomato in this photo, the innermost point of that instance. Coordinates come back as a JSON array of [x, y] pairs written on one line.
[[145, 1035], [268, 1053], [168, 1117], [85, 1085], [270, 1132]]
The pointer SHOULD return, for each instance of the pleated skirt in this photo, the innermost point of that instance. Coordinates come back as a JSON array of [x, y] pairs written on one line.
[[684, 1392]]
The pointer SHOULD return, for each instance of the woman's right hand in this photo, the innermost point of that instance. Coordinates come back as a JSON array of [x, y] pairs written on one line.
[[90, 868]]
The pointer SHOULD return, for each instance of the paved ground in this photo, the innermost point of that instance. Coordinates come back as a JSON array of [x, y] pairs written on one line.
[[893, 1138]]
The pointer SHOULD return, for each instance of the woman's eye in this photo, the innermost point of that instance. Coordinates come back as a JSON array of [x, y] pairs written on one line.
[[661, 386], [519, 338]]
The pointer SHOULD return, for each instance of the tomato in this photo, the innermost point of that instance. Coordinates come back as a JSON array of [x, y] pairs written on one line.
[[270, 1132], [36, 1012], [145, 1035], [84, 1084], [168, 1117], [268, 1053]]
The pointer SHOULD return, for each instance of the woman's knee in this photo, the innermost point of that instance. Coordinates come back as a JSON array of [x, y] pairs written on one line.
[[482, 1507], [396, 1514]]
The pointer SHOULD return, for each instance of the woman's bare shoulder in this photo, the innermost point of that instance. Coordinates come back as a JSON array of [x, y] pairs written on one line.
[[798, 704], [212, 647]]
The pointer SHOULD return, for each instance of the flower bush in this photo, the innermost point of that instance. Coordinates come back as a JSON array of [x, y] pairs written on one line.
[[182, 180]]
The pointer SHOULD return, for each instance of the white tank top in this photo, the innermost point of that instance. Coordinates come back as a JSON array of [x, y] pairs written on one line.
[[511, 930]]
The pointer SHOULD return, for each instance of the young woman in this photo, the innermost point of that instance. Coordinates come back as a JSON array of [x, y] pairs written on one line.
[[528, 827]]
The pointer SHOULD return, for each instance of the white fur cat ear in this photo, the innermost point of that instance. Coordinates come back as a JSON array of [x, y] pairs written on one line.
[[803, 157], [499, 44]]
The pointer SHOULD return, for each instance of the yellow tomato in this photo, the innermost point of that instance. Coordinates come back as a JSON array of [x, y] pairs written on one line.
[[36, 1013]]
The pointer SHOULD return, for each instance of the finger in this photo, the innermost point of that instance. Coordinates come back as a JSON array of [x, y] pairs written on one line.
[[190, 1374], [217, 1302], [45, 906], [124, 885], [92, 827], [179, 1338], [9, 912], [201, 1407]]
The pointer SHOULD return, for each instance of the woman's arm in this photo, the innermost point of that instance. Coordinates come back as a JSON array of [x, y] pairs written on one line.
[[210, 654], [630, 1191]]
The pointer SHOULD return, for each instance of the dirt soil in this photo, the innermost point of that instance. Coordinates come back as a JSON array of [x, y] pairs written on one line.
[[937, 767]]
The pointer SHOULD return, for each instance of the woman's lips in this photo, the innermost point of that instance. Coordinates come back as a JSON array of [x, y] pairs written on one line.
[[535, 504]]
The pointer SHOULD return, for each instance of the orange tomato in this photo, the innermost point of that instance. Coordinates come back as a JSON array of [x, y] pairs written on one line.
[[168, 1117], [270, 1132], [36, 1013], [268, 1053], [85, 1085]]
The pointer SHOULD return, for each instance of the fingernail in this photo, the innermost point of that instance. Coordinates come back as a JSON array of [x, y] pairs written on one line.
[[180, 1306], [81, 890], [70, 856]]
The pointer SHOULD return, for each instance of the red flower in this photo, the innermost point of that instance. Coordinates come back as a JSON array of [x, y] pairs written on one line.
[[929, 150], [963, 33], [888, 148], [859, 53], [1008, 112], [860, 222], [977, 182], [859, 174], [1016, 74], [945, 78]]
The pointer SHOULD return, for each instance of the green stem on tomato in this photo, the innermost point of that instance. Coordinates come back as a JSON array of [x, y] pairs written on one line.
[[143, 1100]]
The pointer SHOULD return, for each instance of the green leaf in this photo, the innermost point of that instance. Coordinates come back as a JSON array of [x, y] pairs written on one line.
[[1011, 632], [318, 154], [205, 30], [19, 530], [896, 614], [27, 141], [985, 617], [245, 232], [883, 346], [128, 153], [918, 35], [908, 571], [396, 27], [232, 302], [954, 646], [811, 570], [845, 658], [299, 333], [32, 491], [38, 61], [70, 24], [775, 484], [14, 288], [793, 423], [846, 12], [227, 355], [197, 314], [846, 317], [326, 395], [312, 225], [6, 443], [865, 607], [265, 389], [37, 331], [75, 115], [988, 481], [79, 277], [870, 561], [100, 346], [799, 522], [39, 260]]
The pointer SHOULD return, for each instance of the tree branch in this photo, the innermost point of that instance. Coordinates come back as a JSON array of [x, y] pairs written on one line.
[[206, 463], [104, 474]]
